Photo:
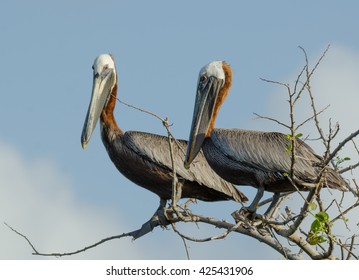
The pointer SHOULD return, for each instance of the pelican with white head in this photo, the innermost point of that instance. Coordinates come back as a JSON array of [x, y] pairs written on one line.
[[104, 80]]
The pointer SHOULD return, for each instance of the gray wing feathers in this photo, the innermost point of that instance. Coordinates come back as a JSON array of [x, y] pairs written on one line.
[[265, 151], [156, 149]]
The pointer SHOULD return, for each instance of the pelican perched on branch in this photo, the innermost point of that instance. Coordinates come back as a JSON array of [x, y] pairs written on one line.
[[245, 157], [145, 158]]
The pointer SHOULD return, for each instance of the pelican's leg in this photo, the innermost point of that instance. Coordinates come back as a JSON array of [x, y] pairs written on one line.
[[158, 218], [162, 203], [272, 206], [253, 207], [250, 211], [161, 213]]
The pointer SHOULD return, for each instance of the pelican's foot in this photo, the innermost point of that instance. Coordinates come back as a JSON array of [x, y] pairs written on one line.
[[245, 213], [162, 218], [253, 221], [158, 219], [263, 229]]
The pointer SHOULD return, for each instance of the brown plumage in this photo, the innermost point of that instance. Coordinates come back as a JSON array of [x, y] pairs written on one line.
[[144, 158]]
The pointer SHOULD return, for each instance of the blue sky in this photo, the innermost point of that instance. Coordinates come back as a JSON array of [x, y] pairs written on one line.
[[63, 197]]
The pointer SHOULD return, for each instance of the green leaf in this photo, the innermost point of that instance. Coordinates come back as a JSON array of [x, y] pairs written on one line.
[[289, 136], [322, 216], [313, 206], [299, 135], [346, 158], [312, 239], [316, 226], [322, 239], [289, 149]]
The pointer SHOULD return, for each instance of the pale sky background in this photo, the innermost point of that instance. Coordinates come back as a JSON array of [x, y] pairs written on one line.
[[64, 198]]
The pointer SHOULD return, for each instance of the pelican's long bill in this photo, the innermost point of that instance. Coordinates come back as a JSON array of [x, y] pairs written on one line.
[[207, 92], [103, 83]]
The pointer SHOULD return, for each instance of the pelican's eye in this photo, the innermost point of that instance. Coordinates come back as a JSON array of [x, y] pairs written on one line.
[[202, 79]]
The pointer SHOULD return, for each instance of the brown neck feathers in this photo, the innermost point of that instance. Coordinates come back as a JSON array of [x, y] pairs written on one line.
[[221, 96], [107, 114]]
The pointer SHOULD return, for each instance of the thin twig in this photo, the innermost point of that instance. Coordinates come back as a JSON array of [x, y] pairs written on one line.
[[271, 119], [23, 236], [37, 253], [351, 247], [349, 168], [139, 109], [341, 215], [186, 247], [312, 117], [298, 78], [164, 121], [340, 146]]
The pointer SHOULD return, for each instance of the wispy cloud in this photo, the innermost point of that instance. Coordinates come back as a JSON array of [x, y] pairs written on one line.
[[39, 201]]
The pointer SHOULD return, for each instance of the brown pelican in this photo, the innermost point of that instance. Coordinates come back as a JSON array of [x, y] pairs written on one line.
[[245, 157], [145, 158]]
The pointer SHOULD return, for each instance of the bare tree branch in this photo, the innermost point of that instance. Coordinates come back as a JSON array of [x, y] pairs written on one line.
[[37, 253], [340, 146], [349, 168]]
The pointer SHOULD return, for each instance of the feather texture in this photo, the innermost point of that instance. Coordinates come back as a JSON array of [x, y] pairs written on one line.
[[144, 158], [255, 158]]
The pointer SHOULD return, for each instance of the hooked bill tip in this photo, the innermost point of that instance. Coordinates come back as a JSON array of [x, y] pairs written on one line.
[[83, 145], [187, 164]]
